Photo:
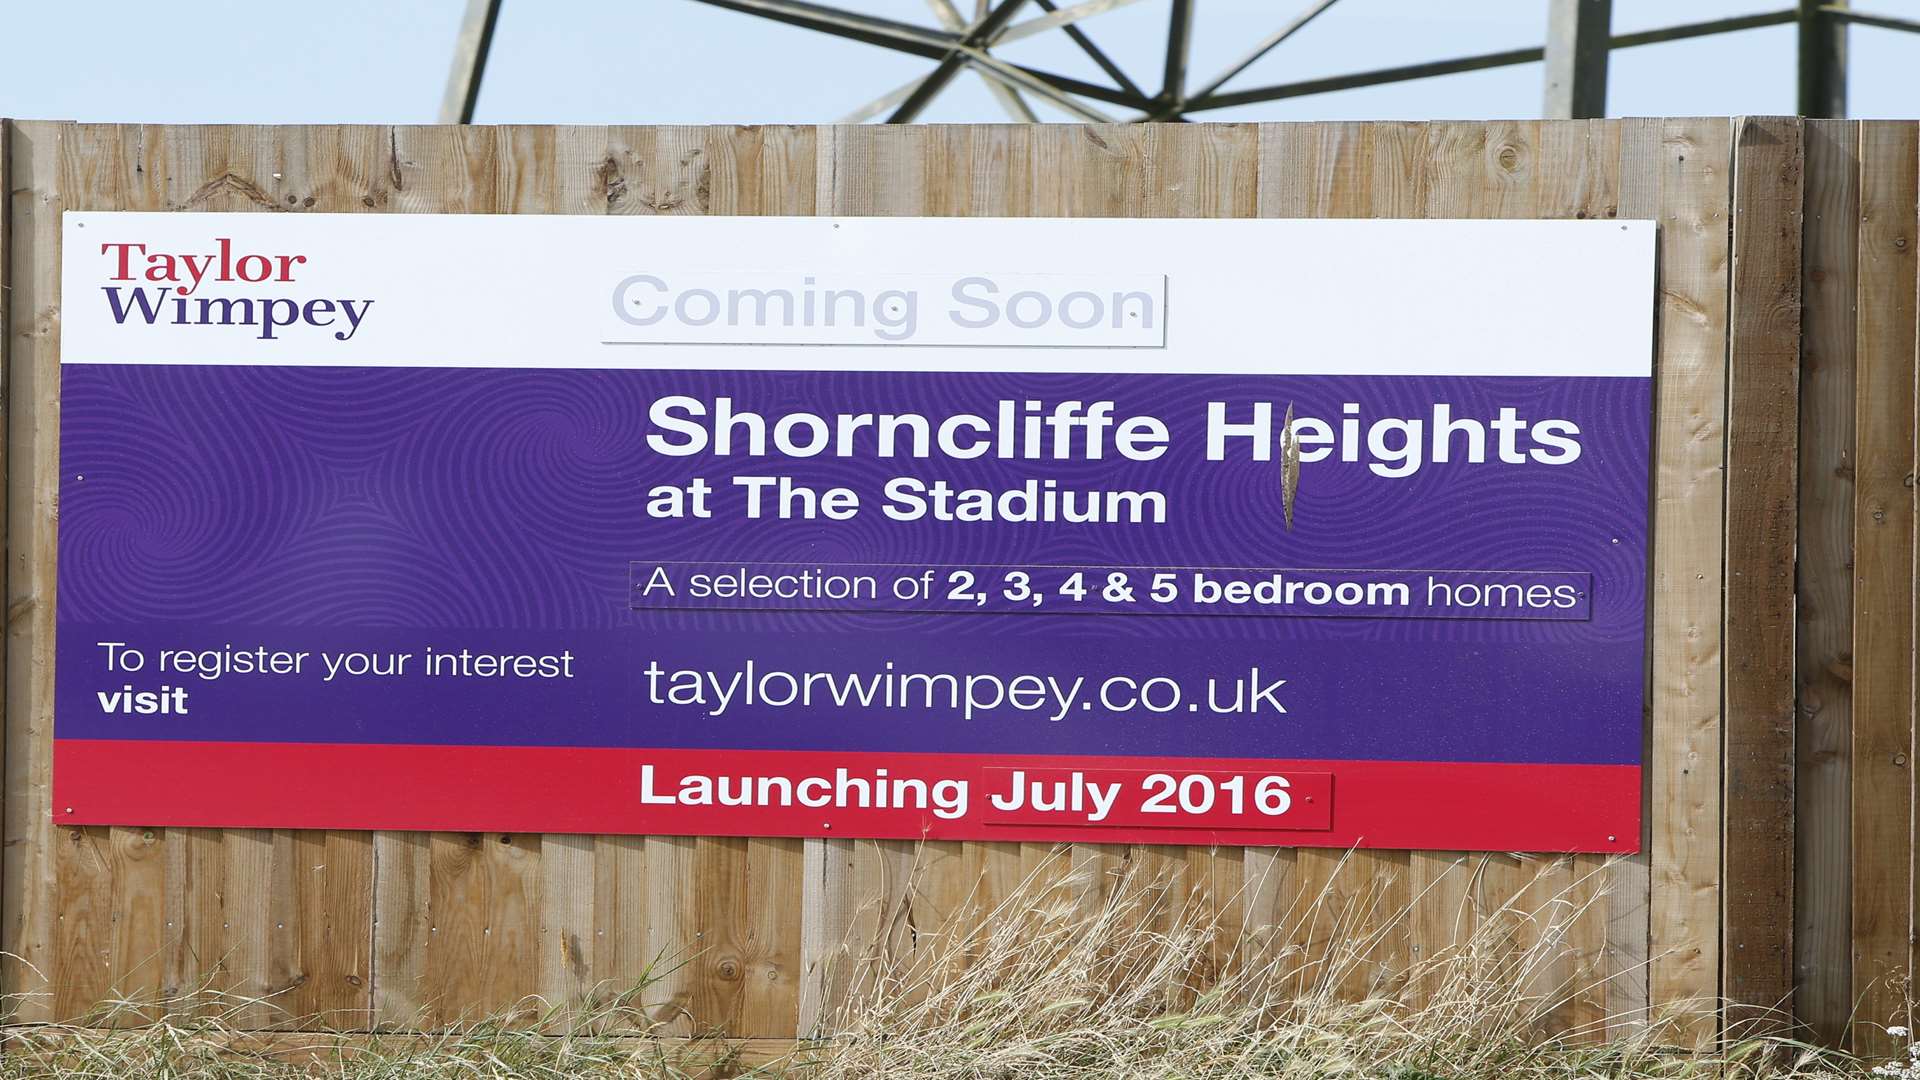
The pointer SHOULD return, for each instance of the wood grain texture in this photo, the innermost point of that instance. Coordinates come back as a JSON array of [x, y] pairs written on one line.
[[1883, 608], [483, 903], [1822, 954], [31, 871], [1763, 427], [1690, 384], [7, 908]]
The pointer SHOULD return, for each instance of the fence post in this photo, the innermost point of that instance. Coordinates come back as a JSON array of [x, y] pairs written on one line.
[[1763, 412], [1823, 993], [1883, 610]]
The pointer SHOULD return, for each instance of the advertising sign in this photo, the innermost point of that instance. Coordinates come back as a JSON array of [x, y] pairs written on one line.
[[1320, 533]]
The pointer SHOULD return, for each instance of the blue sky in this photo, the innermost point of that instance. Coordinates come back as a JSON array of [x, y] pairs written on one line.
[[676, 61]]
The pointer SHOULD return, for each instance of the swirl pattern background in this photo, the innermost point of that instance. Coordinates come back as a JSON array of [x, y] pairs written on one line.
[[497, 508]]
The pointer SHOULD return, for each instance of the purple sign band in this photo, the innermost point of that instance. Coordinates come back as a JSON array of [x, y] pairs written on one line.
[[456, 556]]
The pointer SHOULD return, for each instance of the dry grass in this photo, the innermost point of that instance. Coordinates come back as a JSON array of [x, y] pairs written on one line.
[[1067, 982], [1121, 979]]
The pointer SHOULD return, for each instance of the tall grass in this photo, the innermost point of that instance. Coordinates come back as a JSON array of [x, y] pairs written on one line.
[[1134, 981], [1076, 978]]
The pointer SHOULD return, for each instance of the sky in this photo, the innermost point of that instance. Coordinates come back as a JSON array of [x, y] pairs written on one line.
[[679, 61]]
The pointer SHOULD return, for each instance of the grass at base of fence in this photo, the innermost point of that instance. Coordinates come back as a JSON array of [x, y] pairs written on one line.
[[1121, 978]]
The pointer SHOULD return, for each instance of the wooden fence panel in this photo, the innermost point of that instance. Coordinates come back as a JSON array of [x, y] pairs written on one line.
[[1688, 538], [1883, 609], [402, 928], [1823, 991], [33, 395], [1763, 413], [12, 797]]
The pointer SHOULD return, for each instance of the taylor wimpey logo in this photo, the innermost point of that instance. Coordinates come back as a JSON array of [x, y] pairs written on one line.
[[169, 287]]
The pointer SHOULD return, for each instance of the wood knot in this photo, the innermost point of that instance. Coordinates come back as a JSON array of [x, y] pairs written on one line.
[[703, 187], [237, 185], [612, 185], [576, 955]]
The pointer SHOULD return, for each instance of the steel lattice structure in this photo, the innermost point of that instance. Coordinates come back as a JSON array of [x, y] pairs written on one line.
[[1579, 42]]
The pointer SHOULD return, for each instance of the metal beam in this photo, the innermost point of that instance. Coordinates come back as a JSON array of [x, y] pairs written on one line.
[[470, 49], [954, 51], [979, 34], [1576, 58], [1332, 83], [1476, 63], [1885, 22], [1266, 46], [907, 38], [1058, 18], [1018, 76], [1704, 29], [1108, 94], [1173, 88], [1823, 59], [1007, 96], [1093, 52], [881, 104]]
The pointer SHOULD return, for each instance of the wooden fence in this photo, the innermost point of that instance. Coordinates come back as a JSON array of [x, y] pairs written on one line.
[[1777, 866]]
